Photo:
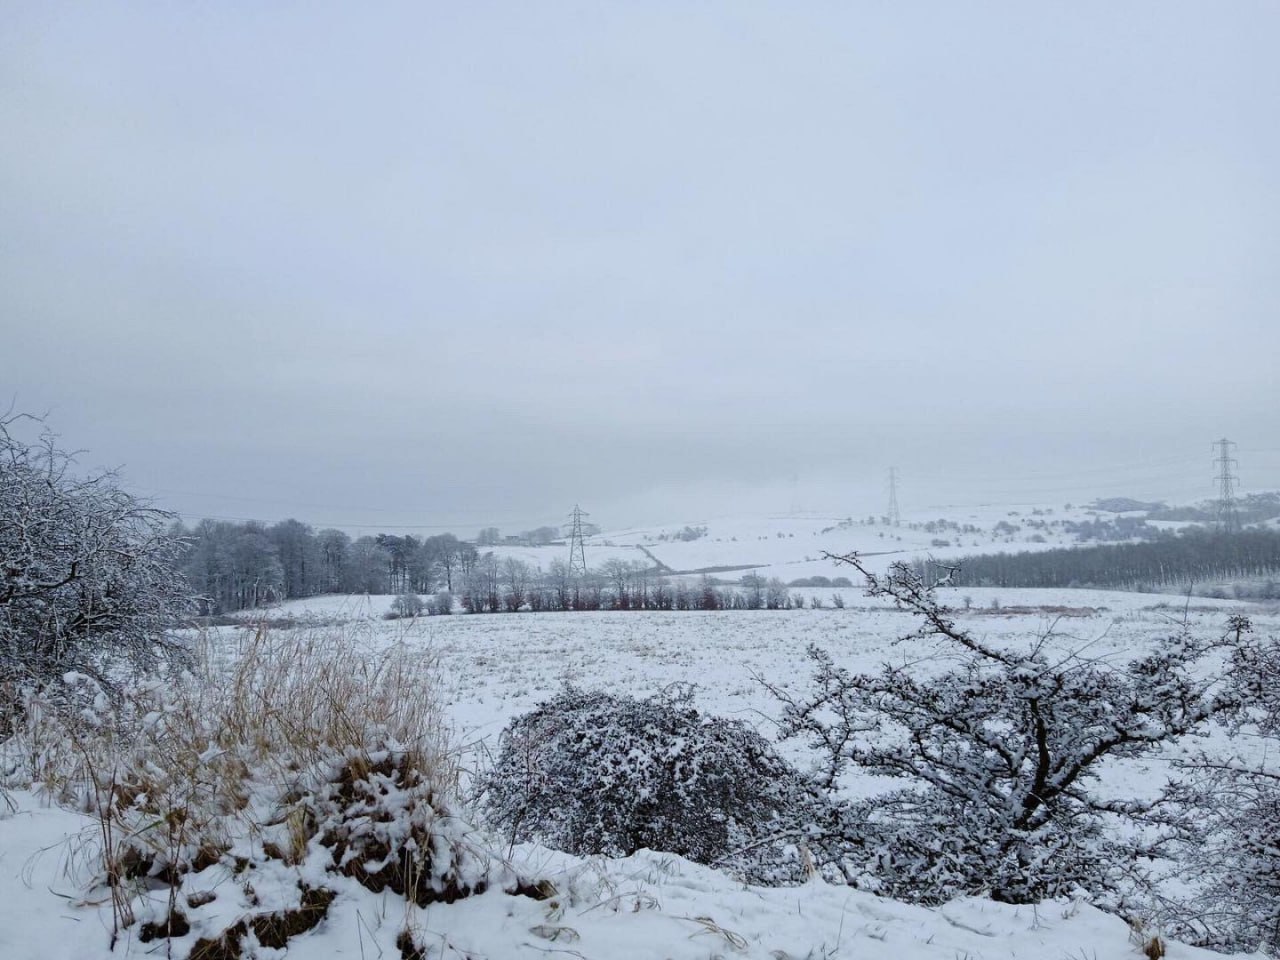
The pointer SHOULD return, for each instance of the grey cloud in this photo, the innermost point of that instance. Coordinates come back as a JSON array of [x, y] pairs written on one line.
[[487, 260]]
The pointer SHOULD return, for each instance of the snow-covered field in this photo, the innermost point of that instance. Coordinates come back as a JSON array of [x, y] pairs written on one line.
[[495, 667], [542, 557], [793, 546]]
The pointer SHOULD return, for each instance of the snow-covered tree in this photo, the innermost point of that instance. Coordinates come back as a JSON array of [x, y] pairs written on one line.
[[995, 757], [407, 605], [1234, 863], [87, 571]]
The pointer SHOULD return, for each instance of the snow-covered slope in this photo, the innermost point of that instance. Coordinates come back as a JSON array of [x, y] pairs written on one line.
[[792, 547]]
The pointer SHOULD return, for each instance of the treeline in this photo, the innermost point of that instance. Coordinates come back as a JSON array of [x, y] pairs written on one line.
[[242, 565], [1169, 561], [511, 585], [1251, 508], [237, 566]]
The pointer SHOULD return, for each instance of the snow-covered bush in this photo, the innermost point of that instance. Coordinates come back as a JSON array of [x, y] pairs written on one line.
[[996, 756], [440, 604], [88, 578], [406, 605], [307, 756], [594, 773], [1234, 862]]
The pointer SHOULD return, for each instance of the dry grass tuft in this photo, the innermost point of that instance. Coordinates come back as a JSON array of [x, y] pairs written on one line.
[[301, 744], [1152, 945]]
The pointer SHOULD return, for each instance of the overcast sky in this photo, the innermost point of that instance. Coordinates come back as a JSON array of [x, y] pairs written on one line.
[[461, 263]]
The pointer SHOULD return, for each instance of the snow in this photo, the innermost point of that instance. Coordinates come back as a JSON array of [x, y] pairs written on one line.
[[596, 549], [44, 857], [495, 667], [789, 547], [793, 546], [649, 905]]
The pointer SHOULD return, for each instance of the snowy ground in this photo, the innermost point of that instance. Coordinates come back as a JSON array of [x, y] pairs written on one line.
[[646, 907], [791, 547], [494, 667], [497, 667]]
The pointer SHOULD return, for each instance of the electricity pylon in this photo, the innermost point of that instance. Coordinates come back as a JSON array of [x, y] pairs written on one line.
[[577, 552], [894, 518], [1228, 517]]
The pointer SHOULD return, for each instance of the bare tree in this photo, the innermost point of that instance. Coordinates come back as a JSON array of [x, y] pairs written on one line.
[[443, 551], [365, 569], [1234, 863], [618, 574], [996, 756], [776, 595], [516, 577], [299, 554], [88, 572], [481, 592], [560, 581], [333, 546], [752, 591], [541, 536]]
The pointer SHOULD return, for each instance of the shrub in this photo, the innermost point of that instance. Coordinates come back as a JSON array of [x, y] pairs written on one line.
[[308, 751], [811, 582], [593, 773], [994, 757], [1235, 863], [1235, 860], [776, 596], [406, 605], [440, 604]]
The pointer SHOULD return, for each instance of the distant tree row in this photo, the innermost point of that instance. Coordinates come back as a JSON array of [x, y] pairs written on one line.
[[1251, 508], [820, 581], [235, 566], [537, 537], [509, 585], [1118, 529], [242, 565], [1196, 555], [688, 534]]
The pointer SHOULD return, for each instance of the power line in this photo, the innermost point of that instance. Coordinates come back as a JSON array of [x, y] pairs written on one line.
[[1117, 470], [290, 503], [389, 525]]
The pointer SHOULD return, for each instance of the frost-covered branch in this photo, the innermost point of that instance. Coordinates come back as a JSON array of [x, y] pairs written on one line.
[[87, 572], [997, 756]]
